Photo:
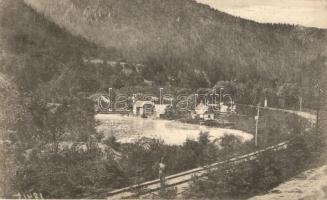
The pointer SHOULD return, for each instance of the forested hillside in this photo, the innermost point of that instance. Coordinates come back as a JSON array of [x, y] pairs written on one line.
[[178, 44], [42, 80], [183, 42], [37, 53], [55, 53]]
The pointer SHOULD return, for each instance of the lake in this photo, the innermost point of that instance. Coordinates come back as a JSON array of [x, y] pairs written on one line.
[[129, 129]]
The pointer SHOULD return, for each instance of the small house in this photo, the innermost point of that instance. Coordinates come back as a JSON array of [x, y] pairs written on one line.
[[143, 108], [224, 108], [161, 109], [204, 112], [227, 108]]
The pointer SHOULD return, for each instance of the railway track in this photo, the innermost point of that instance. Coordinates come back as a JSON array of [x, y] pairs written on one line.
[[180, 178]]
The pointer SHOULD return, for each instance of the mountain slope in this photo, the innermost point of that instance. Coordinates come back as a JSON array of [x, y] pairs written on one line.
[[176, 36], [65, 47], [39, 56]]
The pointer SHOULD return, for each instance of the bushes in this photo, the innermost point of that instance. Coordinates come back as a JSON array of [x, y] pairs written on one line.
[[267, 171], [54, 151], [70, 173], [35, 160], [274, 126], [140, 159]]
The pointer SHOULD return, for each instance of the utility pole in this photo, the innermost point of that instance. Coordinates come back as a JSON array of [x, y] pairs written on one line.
[[319, 78], [220, 95], [195, 100], [110, 99], [133, 98], [110, 92], [214, 100], [161, 95], [256, 125], [301, 101], [318, 108]]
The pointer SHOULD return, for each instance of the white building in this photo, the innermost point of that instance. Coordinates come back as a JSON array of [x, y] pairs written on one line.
[[204, 112], [143, 108], [160, 109]]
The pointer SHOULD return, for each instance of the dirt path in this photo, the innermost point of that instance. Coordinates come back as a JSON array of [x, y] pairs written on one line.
[[309, 185]]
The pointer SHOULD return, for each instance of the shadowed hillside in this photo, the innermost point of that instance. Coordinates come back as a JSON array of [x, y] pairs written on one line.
[[72, 46], [184, 38], [54, 53], [41, 57]]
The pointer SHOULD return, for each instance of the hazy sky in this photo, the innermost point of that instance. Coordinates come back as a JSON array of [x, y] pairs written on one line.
[[311, 13]]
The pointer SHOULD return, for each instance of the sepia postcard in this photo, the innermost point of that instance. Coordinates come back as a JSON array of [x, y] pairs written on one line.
[[163, 99]]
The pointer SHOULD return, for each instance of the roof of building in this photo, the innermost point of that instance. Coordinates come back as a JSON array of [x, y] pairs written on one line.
[[201, 109], [161, 108], [139, 104]]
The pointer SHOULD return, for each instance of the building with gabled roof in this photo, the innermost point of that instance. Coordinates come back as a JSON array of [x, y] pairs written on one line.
[[143, 108], [204, 112]]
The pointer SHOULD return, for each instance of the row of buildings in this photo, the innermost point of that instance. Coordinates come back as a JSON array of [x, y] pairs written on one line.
[[203, 111]]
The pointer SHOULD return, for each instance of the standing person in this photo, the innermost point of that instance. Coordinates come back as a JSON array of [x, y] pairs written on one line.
[[266, 103], [162, 173]]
